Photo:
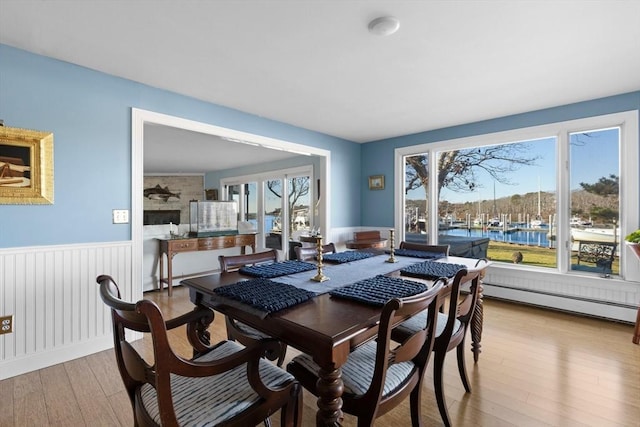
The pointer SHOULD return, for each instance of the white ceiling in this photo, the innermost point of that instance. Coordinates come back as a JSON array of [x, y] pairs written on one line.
[[313, 64]]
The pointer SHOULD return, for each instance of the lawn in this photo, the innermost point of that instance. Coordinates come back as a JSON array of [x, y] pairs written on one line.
[[533, 255]]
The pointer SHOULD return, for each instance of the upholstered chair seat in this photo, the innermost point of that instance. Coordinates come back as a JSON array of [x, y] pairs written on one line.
[[218, 398]]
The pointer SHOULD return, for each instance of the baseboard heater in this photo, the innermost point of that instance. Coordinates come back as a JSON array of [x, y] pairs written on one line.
[[558, 295]]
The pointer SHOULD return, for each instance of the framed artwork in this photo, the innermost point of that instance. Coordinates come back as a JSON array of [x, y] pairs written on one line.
[[376, 182], [211, 194], [26, 166]]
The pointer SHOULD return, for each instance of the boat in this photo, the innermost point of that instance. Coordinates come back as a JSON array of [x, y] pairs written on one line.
[[577, 222], [595, 235], [538, 223], [494, 222]]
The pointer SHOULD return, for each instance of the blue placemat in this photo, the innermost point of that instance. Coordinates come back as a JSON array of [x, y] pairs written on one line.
[[265, 294], [379, 289], [348, 256], [431, 270], [277, 269], [418, 254]]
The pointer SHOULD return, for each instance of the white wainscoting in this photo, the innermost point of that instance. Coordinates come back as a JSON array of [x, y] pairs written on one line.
[[53, 295], [59, 316]]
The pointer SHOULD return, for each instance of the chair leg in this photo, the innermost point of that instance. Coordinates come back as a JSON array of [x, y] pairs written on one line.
[[438, 367], [291, 413], [283, 353], [462, 367], [416, 405]]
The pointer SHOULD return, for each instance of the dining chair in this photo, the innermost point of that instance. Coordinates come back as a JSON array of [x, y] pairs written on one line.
[[451, 331], [305, 253], [239, 331], [223, 384], [440, 249], [380, 374]]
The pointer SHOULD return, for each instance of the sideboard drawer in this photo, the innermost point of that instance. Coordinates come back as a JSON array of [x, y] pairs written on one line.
[[210, 243], [184, 245]]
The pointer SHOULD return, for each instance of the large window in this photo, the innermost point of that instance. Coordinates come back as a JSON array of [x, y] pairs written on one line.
[[547, 197], [278, 204]]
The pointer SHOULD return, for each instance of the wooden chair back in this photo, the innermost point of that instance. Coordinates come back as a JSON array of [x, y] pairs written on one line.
[[377, 363], [241, 332], [144, 380], [305, 253], [461, 310], [230, 263], [416, 347], [460, 305]]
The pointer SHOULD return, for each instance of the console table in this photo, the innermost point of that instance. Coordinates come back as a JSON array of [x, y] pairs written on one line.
[[175, 245]]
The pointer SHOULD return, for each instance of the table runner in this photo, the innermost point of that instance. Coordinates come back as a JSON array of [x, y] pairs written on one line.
[[339, 274], [346, 273], [379, 289]]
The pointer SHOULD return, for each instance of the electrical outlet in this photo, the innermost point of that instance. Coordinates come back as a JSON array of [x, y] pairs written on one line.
[[120, 216], [6, 324]]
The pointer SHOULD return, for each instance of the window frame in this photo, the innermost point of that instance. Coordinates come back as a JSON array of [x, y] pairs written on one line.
[[629, 179]]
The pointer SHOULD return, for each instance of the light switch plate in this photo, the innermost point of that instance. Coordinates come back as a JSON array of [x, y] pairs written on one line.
[[120, 216]]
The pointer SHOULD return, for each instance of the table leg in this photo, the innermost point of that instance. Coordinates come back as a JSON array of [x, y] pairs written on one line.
[[170, 273], [330, 387], [161, 280], [476, 325]]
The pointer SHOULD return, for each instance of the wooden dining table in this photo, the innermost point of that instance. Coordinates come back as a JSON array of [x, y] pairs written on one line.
[[325, 327]]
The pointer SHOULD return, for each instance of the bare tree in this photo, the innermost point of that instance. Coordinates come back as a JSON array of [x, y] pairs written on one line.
[[457, 169], [298, 188]]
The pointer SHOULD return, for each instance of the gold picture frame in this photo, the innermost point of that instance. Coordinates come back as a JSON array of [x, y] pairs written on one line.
[[376, 182], [26, 166]]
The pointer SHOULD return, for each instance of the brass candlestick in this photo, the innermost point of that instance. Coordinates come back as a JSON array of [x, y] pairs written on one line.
[[392, 258], [319, 277]]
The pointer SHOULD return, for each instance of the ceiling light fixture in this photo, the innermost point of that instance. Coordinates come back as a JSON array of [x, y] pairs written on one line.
[[384, 26]]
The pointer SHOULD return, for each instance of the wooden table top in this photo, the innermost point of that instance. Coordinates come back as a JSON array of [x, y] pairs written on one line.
[[324, 327]]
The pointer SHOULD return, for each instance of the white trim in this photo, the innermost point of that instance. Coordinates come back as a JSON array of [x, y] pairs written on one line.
[[138, 119], [538, 278]]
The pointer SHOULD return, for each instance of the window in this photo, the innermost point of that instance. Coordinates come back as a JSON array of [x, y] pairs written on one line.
[[261, 203], [545, 197]]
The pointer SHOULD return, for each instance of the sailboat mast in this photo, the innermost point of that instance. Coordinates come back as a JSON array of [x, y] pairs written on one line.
[[538, 197]]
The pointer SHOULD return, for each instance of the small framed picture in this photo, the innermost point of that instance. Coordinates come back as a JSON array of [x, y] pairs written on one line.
[[376, 182], [26, 166], [211, 194]]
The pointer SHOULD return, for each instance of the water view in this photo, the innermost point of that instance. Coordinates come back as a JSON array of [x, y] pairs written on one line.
[[522, 237]]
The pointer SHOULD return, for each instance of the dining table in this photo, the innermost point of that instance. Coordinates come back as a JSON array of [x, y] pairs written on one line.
[[323, 325]]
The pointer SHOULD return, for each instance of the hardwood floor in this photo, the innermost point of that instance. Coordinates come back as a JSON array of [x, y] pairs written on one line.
[[537, 368]]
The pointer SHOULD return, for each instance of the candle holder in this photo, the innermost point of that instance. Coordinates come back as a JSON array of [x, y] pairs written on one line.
[[392, 258], [319, 277]]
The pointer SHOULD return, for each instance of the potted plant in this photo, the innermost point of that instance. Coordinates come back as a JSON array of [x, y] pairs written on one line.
[[633, 241]]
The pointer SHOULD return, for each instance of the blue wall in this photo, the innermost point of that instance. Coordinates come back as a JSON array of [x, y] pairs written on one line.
[[377, 157], [89, 114]]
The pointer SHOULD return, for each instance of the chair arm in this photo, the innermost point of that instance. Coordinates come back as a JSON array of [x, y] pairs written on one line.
[[252, 356], [195, 315]]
